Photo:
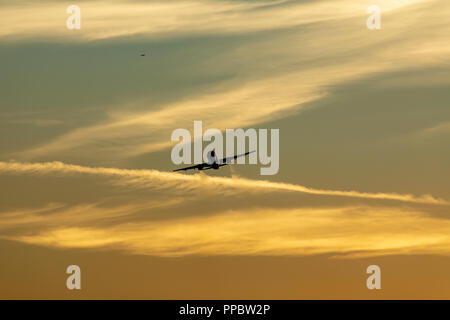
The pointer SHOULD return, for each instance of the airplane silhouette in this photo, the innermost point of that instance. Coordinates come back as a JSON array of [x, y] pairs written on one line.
[[213, 162]]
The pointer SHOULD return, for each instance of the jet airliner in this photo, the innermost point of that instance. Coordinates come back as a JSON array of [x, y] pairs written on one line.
[[214, 162]]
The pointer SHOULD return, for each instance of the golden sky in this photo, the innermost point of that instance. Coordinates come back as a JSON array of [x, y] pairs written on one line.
[[85, 170]]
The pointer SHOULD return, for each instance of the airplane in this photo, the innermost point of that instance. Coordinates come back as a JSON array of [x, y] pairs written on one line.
[[213, 162]]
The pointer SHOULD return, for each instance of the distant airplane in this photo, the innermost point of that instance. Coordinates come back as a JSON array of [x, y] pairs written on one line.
[[142, 54], [213, 162]]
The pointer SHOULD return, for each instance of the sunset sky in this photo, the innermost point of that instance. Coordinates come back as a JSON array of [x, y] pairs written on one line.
[[85, 143]]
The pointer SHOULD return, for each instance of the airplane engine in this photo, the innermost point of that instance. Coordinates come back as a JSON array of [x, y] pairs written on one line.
[[212, 158], [215, 166]]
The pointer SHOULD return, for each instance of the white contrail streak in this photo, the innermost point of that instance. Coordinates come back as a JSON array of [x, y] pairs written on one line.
[[143, 177]]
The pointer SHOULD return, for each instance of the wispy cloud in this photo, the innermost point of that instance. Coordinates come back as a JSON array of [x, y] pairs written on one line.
[[139, 224], [278, 77], [160, 179], [440, 128], [110, 19], [347, 231]]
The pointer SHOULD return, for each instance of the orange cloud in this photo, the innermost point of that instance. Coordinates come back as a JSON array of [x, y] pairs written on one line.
[[346, 231]]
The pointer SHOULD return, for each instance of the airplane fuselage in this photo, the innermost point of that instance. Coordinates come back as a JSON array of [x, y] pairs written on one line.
[[214, 166]]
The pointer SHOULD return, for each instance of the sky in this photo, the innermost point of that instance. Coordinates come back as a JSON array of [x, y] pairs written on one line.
[[85, 143]]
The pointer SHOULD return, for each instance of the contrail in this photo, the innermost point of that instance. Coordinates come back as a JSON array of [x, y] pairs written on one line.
[[143, 177]]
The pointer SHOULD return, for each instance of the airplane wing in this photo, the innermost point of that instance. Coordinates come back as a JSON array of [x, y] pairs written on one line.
[[198, 166], [206, 166], [226, 161]]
